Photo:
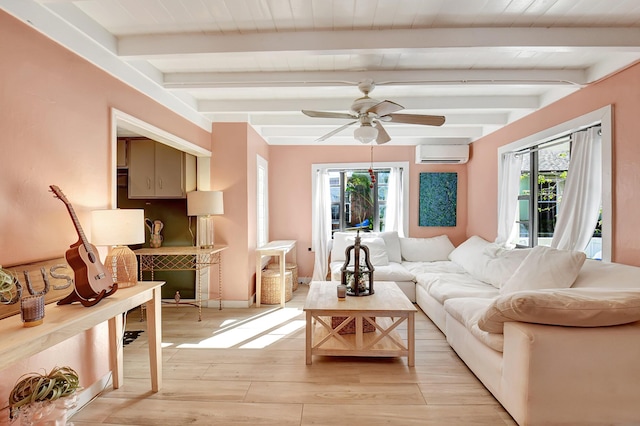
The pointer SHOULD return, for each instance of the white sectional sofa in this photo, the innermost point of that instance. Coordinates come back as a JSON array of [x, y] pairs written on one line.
[[555, 338]]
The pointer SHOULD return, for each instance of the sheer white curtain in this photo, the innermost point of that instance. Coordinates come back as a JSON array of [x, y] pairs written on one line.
[[394, 216], [580, 206], [321, 224], [508, 196]]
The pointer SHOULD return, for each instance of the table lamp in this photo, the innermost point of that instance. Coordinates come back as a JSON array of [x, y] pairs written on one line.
[[204, 205], [118, 228]]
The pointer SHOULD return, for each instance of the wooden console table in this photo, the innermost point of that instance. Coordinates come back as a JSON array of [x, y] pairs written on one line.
[[64, 321], [279, 249], [184, 259]]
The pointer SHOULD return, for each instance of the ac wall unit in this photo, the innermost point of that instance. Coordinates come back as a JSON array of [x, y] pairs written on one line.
[[442, 154]]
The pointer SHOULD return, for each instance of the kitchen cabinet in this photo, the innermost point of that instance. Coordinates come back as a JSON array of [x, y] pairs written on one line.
[[158, 171]]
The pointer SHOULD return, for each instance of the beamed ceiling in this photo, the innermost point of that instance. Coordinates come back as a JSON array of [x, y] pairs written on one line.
[[480, 63]]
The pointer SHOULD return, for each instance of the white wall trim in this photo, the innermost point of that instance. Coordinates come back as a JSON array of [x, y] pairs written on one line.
[[264, 164], [120, 119]]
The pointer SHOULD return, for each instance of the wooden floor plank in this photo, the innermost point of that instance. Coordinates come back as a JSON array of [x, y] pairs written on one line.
[[247, 367], [341, 394]]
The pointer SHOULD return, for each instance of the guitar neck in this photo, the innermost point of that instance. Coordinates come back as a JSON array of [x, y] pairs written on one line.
[[76, 224]]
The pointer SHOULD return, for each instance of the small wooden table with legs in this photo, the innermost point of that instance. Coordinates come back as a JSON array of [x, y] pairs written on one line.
[[381, 312], [280, 250]]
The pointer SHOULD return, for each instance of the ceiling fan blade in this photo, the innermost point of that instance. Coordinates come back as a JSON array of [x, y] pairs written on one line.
[[338, 130], [383, 136], [428, 120], [327, 114], [385, 108]]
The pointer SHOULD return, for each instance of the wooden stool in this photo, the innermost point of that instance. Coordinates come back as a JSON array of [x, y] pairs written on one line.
[[292, 267], [271, 287]]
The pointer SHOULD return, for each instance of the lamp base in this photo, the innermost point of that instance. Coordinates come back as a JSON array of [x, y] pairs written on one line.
[[205, 232], [123, 265]]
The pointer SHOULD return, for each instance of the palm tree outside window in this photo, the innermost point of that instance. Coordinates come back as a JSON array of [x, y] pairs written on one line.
[[357, 201]]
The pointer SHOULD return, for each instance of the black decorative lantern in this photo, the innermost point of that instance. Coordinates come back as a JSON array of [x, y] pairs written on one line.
[[358, 277]]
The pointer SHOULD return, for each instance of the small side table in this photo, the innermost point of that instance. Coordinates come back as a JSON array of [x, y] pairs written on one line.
[[279, 249], [184, 259]]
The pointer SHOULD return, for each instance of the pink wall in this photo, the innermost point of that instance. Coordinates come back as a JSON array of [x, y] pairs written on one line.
[[56, 130], [55, 127], [235, 146], [622, 91], [290, 191]]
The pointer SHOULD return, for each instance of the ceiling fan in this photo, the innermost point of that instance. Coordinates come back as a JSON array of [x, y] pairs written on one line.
[[370, 113]]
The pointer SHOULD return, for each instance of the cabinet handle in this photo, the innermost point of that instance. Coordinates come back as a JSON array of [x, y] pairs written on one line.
[[148, 183], [160, 183]]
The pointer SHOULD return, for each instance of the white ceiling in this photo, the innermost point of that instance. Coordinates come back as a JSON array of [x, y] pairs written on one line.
[[481, 63]]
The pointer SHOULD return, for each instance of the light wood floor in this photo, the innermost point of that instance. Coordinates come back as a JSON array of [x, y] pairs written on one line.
[[247, 367]]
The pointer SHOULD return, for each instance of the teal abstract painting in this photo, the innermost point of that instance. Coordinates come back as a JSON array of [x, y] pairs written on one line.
[[438, 199]]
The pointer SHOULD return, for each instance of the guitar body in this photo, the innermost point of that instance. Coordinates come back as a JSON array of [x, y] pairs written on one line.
[[91, 277], [92, 281]]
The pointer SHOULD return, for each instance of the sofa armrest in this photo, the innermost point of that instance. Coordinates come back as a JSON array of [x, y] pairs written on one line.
[[556, 375]]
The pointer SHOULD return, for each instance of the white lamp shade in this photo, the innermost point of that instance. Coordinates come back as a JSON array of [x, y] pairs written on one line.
[[117, 227], [365, 133], [204, 203]]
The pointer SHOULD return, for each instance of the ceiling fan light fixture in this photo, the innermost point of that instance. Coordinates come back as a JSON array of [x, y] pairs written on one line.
[[365, 133]]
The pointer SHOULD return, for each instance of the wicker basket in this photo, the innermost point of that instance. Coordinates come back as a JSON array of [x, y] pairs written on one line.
[[271, 287], [350, 328], [292, 267]]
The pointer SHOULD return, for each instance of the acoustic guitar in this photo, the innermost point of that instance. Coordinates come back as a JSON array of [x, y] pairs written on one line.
[[92, 280]]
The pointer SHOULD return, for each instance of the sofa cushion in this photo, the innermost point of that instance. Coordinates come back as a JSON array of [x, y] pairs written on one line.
[[392, 240], [443, 266], [595, 273], [572, 307], [426, 249], [469, 255], [340, 244], [545, 267], [467, 311], [377, 251], [501, 264], [391, 272], [377, 247], [448, 286]]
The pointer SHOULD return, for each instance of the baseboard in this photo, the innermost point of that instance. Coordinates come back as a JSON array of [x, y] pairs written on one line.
[[90, 393], [237, 303]]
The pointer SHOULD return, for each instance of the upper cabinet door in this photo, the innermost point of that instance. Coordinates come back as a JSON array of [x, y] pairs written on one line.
[[169, 172], [142, 162], [159, 171]]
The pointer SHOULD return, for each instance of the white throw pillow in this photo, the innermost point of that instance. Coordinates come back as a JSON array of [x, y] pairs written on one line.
[[392, 241], [570, 307], [545, 267], [469, 255], [377, 251], [426, 249], [501, 264], [340, 244], [377, 248]]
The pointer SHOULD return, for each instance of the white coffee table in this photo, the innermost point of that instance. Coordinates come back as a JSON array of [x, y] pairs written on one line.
[[384, 311]]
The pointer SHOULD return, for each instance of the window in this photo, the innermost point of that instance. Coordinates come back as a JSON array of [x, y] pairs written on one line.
[[542, 179], [600, 246], [337, 192], [357, 200]]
